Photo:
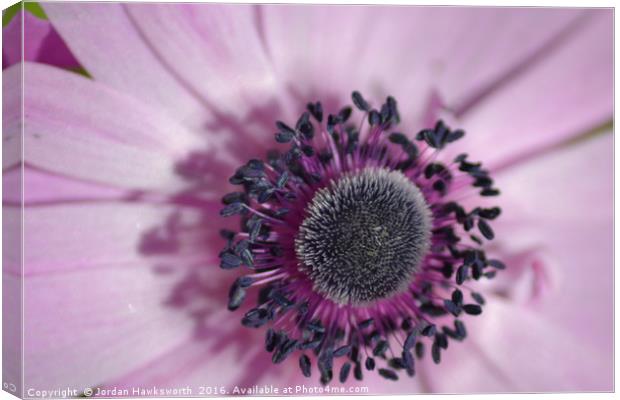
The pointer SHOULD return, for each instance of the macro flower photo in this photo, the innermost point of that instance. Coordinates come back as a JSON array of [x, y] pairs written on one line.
[[213, 199]]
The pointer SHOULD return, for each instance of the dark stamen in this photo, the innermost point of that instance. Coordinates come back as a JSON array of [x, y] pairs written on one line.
[[305, 365], [388, 374]]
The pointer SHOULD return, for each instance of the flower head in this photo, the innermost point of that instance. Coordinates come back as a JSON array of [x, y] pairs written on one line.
[[357, 241], [125, 166]]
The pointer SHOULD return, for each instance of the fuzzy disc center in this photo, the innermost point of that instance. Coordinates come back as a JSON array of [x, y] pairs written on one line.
[[364, 236]]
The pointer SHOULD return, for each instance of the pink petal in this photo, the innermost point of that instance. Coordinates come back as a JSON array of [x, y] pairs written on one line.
[[108, 234], [567, 198], [98, 301], [564, 95], [378, 385], [404, 51], [42, 187], [552, 327], [219, 356], [215, 42], [86, 326], [12, 330], [11, 147], [518, 350], [72, 269], [11, 242], [465, 369], [572, 184], [11, 296], [11, 116], [191, 60], [127, 63], [319, 52], [41, 43], [93, 133], [209, 48]]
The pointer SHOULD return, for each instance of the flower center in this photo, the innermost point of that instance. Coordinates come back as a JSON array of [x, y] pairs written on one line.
[[364, 236], [356, 244]]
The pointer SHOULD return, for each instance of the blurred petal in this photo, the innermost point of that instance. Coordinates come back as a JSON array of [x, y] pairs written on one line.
[[405, 385], [566, 200], [12, 295], [465, 369], [127, 64], [404, 51], [559, 206], [12, 257], [573, 184], [41, 43], [317, 48], [94, 133], [512, 349], [191, 60], [565, 95], [213, 48], [12, 96], [218, 356], [96, 305], [12, 332], [85, 326], [108, 234], [42, 187]]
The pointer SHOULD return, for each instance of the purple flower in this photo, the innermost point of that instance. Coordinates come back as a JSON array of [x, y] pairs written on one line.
[[125, 172]]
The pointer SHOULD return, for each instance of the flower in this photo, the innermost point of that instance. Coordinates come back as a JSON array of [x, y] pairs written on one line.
[[125, 170], [355, 237]]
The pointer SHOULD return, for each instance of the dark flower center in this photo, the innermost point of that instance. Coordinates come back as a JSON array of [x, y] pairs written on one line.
[[364, 236], [353, 243]]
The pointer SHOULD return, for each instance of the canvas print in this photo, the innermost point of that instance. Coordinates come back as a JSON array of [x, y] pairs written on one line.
[[281, 199]]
